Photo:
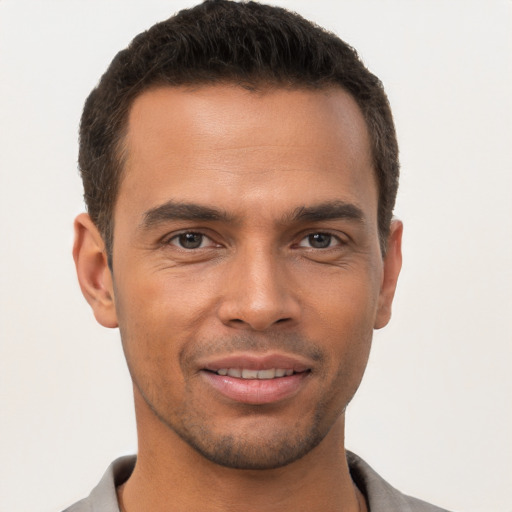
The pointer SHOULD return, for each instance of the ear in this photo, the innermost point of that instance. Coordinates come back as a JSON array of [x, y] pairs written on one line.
[[392, 266], [93, 271]]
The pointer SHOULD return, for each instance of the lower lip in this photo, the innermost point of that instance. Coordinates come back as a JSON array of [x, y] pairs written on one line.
[[256, 391]]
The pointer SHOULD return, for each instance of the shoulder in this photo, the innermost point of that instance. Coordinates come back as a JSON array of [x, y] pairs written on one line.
[[381, 496], [80, 506], [103, 497]]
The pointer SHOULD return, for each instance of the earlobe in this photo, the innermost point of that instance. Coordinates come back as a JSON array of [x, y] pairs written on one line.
[[392, 266], [93, 272]]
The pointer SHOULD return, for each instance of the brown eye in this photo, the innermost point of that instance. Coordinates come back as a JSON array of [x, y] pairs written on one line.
[[318, 241], [189, 240]]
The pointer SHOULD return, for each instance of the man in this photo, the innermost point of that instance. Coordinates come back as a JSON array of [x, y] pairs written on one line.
[[240, 169]]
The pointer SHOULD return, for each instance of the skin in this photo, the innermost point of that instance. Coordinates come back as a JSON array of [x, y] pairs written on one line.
[[264, 281]]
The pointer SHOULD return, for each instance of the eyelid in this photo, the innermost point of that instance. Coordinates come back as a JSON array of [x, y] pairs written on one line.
[[335, 236], [168, 239], [340, 238]]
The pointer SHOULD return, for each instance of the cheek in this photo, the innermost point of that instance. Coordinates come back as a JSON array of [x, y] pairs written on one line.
[[158, 314], [342, 318], [345, 301], [347, 336], [162, 300]]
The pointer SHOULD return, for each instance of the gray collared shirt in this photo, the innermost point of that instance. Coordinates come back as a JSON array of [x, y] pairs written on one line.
[[380, 496]]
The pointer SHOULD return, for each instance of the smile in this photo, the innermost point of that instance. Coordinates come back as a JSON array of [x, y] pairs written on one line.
[[257, 379], [245, 373]]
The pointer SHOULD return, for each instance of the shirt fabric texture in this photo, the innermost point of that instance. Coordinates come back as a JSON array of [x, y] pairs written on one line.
[[380, 496]]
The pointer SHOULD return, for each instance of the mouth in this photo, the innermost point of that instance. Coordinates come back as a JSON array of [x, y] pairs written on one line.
[[246, 373], [255, 379]]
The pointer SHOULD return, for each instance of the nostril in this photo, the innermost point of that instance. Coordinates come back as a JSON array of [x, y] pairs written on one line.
[[239, 322]]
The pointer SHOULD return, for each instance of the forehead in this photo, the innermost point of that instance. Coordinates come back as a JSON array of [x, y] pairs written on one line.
[[224, 142], [229, 114]]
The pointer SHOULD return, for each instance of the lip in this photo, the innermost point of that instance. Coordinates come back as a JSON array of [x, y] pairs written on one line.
[[257, 391], [258, 362]]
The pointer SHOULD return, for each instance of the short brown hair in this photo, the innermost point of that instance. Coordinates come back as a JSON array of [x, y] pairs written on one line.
[[221, 41]]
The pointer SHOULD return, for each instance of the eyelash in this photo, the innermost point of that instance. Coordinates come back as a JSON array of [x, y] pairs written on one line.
[[185, 233], [331, 238]]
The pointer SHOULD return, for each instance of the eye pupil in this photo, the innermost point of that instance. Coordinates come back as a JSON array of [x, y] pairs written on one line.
[[191, 240], [319, 240]]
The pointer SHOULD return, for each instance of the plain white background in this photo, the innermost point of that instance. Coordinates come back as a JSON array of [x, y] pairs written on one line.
[[433, 414]]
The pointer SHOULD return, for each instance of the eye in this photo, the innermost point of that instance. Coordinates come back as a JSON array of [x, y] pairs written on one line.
[[319, 241], [191, 240]]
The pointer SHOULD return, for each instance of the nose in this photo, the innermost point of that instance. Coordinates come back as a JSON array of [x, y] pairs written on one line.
[[258, 292]]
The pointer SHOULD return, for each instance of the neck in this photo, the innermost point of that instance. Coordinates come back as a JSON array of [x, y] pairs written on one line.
[[170, 475]]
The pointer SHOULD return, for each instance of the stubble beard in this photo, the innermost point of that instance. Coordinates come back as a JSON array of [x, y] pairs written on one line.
[[255, 446], [252, 451]]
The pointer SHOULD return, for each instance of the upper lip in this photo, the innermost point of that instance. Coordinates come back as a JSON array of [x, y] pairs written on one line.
[[252, 361]]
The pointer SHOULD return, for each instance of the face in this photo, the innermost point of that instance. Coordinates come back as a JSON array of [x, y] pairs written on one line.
[[247, 273]]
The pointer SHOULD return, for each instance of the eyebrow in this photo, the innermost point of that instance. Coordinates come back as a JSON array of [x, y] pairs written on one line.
[[172, 210], [331, 210]]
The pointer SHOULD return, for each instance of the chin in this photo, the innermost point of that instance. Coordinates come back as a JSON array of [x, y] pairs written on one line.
[[242, 453]]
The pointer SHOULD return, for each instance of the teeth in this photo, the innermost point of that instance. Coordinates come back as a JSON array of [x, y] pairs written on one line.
[[245, 373], [267, 374], [249, 374]]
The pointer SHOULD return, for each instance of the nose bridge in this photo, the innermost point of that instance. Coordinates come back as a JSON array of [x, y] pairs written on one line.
[[258, 294]]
